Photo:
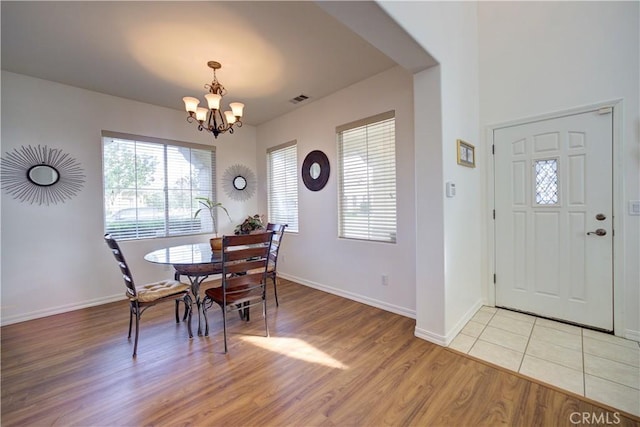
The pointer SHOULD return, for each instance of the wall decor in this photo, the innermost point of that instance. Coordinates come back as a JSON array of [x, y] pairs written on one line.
[[315, 170], [466, 154], [239, 182], [41, 175]]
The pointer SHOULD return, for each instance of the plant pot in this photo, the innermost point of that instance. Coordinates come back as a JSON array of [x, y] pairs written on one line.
[[216, 244]]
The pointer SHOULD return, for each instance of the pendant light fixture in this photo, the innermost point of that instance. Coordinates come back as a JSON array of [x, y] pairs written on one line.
[[211, 119]]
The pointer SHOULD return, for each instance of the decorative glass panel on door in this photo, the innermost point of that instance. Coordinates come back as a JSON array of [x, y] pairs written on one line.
[[546, 174]]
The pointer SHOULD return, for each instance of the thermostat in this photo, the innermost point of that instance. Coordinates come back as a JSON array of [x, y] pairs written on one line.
[[451, 189]]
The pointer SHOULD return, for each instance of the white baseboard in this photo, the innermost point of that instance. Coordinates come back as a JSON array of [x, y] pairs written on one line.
[[431, 337], [59, 309], [453, 332], [403, 311], [632, 335], [445, 340]]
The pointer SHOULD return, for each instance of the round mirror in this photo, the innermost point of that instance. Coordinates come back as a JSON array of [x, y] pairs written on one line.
[[239, 183], [314, 170], [43, 175]]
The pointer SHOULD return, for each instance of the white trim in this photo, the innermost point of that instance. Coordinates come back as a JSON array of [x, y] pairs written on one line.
[[403, 311], [491, 203], [23, 317], [445, 340], [453, 332], [632, 335], [431, 337], [618, 201]]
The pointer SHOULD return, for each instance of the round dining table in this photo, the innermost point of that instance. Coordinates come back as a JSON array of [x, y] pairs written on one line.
[[195, 261]]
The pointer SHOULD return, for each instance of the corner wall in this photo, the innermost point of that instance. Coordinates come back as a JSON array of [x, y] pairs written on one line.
[[316, 256], [54, 258], [450, 274]]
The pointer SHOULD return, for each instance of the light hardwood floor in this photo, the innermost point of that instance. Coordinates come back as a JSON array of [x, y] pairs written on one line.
[[329, 362]]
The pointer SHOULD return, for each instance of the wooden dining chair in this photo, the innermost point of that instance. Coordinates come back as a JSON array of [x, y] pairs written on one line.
[[244, 277], [143, 297], [278, 235]]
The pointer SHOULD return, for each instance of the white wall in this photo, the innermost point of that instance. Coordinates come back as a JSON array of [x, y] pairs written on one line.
[[450, 244], [542, 57], [54, 258], [316, 256]]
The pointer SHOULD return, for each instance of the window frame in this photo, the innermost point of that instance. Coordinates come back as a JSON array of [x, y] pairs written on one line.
[[277, 217], [369, 231], [166, 215]]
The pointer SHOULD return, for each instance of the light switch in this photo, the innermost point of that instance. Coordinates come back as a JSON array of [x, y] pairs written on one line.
[[634, 207]]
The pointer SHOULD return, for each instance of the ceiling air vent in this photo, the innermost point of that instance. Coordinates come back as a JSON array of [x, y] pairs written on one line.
[[298, 99]]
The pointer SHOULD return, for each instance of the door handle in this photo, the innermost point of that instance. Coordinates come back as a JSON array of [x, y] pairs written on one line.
[[598, 232]]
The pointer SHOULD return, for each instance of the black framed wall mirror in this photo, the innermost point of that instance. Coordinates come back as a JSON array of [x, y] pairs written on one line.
[[43, 175], [315, 170], [40, 175], [239, 182]]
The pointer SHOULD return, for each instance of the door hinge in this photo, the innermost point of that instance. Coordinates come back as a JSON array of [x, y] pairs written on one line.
[[606, 110], [494, 278], [494, 214], [493, 149]]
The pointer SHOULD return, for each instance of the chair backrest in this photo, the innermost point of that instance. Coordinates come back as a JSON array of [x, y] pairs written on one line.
[[126, 273], [278, 235], [244, 260]]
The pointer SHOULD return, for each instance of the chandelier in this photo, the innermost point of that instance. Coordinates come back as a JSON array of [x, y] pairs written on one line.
[[211, 119]]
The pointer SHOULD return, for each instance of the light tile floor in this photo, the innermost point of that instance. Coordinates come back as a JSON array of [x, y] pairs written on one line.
[[599, 366]]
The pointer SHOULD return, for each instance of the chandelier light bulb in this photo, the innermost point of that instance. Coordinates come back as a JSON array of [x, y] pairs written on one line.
[[213, 99], [237, 108], [229, 116], [190, 103], [201, 114]]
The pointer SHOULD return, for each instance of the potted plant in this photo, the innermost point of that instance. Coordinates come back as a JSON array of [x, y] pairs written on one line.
[[211, 206], [250, 224]]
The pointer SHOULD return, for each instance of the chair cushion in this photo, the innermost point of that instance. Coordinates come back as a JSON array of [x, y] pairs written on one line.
[[157, 290]]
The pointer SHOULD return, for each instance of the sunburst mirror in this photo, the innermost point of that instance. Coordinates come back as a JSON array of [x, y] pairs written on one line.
[[41, 175], [239, 182]]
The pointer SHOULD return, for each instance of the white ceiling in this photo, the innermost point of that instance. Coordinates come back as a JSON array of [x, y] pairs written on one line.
[[156, 52]]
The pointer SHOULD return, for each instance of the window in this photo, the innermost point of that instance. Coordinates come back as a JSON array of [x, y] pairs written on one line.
[[150, 186], [282, 171], [367, 179]]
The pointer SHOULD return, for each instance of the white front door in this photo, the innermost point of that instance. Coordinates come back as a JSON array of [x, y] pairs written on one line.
[[553, 218]]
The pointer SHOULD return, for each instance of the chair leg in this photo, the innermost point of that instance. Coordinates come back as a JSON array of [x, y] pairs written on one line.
[[135, 345], [275, 287], [178, 311], [130, 319], [240, 311], [264, 314], [204, 313], [224, 327]]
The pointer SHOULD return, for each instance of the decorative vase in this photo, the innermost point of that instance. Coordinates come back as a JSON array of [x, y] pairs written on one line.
[[216, 244]]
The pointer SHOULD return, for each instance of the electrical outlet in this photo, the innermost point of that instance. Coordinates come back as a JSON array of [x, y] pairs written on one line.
[[385, 280]]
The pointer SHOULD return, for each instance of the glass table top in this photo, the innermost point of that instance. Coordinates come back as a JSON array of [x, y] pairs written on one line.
[[197, 253]]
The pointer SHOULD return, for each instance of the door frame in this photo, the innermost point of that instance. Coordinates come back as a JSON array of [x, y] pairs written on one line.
[[618, 207]]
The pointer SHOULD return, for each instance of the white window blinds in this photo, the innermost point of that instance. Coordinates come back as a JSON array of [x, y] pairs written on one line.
[[150, 186], [282, 170], [367, 179]]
